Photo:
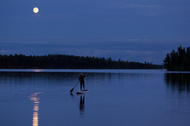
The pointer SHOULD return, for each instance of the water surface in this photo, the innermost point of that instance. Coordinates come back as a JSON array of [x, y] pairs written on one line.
[[116, 97]]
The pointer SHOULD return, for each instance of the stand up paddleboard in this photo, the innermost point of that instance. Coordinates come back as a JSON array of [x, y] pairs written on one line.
[[82, 92]]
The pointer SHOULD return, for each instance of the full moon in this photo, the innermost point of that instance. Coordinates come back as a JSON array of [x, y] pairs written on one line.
[[35, 10]]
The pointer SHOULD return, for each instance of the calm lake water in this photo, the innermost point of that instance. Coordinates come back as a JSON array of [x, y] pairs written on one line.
[[115, 97]]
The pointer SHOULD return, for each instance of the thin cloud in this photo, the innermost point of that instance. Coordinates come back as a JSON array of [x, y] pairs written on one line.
[[139, 6], [4, 51], [134, 49], [142, 9]]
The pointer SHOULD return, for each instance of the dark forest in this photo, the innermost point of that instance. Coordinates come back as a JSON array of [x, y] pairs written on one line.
[[178, 60], [59, 61]]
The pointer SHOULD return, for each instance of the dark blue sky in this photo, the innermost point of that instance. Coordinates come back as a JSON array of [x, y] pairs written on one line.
[[133, 30]]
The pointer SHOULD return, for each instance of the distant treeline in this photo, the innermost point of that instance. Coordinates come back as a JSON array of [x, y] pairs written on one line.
[[178, 61], [59, 61]]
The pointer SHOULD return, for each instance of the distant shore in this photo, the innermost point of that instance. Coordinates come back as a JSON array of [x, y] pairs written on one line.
[[59, 61]]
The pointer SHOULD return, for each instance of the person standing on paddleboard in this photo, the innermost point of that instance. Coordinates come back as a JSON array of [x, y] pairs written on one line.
[[81, 79]]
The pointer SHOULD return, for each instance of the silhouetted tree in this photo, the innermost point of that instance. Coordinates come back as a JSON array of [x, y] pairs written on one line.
[[177, 61]]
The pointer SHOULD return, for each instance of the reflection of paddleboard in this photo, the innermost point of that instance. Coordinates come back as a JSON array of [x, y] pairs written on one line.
[[82, 92]]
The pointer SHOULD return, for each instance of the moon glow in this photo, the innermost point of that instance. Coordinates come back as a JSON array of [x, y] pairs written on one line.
[[35, 10]]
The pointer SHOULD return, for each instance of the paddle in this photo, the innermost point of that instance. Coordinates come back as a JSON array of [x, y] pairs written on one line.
[[73, 87]]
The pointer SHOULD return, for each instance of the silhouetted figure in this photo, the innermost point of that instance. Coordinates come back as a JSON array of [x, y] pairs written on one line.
[[81, 79]]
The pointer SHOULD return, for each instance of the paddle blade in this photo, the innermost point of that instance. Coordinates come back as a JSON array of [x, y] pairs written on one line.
[[71, 89]]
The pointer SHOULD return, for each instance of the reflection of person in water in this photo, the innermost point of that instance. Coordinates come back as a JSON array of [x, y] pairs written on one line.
[[81, 105], [81, 79]]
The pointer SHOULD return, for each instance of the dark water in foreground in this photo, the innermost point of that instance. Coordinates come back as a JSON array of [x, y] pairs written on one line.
[[116, 97]]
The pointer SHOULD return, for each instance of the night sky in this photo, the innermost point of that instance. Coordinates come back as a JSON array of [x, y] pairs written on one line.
[[133, 30]]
